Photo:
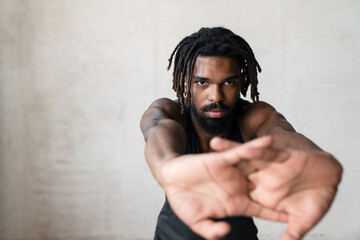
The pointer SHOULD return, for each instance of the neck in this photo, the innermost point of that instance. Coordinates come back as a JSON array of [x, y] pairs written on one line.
[[204, 137]]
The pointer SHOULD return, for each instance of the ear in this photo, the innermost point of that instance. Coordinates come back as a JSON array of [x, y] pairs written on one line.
[[185, 85]]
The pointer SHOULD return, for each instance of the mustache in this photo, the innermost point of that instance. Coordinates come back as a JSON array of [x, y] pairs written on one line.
[[211, 106]]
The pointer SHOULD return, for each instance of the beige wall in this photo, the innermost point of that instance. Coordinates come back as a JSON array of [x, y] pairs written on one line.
[[76, 75]]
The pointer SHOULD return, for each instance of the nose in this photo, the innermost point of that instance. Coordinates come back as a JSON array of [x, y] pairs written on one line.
[[216, 94]]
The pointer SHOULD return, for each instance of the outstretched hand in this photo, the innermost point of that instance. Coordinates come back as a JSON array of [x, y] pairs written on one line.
[[205, 186], [300, 184]]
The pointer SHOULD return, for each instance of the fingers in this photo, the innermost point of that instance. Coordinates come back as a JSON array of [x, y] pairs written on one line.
[[292, 234], [259, 211], [221, 144], [272, 197], [251, 186], [276, 188], [256, 152], [210, 229], [287, 236], [246, 169]]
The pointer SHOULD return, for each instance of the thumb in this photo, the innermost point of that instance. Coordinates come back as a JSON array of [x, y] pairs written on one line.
[[221, 144], [210, 229], [288, 236], [293, 233]]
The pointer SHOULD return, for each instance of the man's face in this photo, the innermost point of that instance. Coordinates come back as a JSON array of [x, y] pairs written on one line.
[[214, 89]]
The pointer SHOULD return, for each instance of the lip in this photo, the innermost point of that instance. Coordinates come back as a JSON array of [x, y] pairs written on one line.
[[215, 113]]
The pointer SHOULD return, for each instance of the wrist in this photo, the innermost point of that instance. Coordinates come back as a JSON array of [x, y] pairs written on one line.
[[163, 169]]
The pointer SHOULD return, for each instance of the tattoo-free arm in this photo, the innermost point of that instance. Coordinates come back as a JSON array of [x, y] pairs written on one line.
[[298, 178], [262, 119], [164, 132], [199, 187]]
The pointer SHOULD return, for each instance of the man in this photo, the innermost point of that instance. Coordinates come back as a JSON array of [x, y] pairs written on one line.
[[221, 159]]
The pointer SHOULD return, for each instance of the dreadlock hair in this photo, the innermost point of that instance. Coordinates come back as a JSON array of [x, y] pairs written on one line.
[[220, 42]]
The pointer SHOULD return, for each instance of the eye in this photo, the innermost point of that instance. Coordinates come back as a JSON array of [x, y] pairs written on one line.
[[201, 83], [229, 83]]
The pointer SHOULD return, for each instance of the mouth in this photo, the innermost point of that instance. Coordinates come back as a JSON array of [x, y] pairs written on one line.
[[215, 113]]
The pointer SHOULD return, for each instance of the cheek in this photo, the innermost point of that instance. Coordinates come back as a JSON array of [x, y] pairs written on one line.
[[232, 94], [195, 101], [196, 96]]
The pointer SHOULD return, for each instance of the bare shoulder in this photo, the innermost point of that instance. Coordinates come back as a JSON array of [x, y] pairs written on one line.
[[162, 109], [258, 118], [167, 108]]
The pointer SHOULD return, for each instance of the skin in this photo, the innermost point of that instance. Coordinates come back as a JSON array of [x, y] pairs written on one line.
[[277, 174], [215, 80]]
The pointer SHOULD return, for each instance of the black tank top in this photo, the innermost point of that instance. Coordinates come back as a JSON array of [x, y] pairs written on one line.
[[170, 227]]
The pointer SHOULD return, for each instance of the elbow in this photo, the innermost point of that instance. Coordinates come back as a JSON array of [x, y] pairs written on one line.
[[148, 120], [337, 168], [143, 129]]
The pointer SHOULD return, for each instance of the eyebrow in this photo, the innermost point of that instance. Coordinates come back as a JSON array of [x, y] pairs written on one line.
[[207, 79]]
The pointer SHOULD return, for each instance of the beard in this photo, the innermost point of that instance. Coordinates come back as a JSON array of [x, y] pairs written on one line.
[[213, 126]]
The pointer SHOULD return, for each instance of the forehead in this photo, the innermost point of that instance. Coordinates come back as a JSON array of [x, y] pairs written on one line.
[[205, 65]]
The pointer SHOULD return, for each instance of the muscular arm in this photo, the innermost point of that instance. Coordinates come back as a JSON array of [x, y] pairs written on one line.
[[297, 177], [262, 119], [163, 127], [199, 187]]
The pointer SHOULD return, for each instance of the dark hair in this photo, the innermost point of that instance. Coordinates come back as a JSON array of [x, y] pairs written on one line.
[[219, 42]]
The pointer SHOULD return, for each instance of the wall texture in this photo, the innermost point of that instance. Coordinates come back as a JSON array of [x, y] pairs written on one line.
[[76, 76]]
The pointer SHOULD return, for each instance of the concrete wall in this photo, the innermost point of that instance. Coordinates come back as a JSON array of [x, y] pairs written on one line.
[[76, 76]]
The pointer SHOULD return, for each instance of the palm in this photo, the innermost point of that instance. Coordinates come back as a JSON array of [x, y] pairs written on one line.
[[299, 185], [206, 186], [305, 209], [215, 184]]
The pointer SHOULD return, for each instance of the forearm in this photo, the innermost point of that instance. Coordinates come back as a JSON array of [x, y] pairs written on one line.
[[164, 142], [285, 139]]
